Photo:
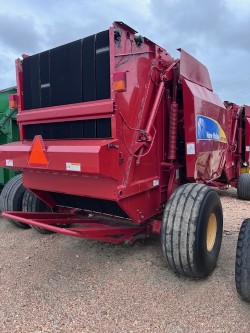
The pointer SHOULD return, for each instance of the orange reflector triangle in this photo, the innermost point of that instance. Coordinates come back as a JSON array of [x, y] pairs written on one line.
[[37, 152]]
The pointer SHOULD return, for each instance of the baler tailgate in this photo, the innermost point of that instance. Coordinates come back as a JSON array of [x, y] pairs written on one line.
[[86, 227]]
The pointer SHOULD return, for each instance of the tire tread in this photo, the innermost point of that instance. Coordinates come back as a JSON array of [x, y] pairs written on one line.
[[243, 188], [178, 238], [32, 204], [11, 198], [242, 262]]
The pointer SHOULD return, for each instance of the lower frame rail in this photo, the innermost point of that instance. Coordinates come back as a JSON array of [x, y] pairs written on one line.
[[86, 227]]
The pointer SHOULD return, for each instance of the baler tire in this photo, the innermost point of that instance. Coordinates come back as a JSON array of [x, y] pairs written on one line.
[[11, 198], [191, 231], [242, 263], [32, 204], [243, 188]]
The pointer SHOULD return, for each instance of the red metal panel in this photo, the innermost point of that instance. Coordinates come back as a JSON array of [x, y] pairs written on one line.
[[137, 187], [66, 112], [247, 139], [142, 206], [247, 111], [194, 71], [92, 157], [133, 110], [71, 183], [204, 156]]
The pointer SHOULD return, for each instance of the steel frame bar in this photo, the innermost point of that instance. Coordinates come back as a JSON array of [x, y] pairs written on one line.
[[91, 228]]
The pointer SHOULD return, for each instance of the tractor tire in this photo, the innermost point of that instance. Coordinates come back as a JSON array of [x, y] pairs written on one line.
[[243, 188], [11, 198], [242, 263], [32, 204], [191, 231]]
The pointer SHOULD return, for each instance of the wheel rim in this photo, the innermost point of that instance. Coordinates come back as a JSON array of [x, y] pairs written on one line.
[[211, 231]]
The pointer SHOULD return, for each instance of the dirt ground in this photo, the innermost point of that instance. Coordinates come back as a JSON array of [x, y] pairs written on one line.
[[54, 283]]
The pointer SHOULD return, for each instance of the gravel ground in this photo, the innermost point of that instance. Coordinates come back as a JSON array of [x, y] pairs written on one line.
[[54, 283]]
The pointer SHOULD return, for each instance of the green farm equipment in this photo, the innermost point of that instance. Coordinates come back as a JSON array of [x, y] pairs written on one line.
[[8, 129]]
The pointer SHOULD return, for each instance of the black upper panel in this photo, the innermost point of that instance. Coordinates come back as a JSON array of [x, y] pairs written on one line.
[[71, 73]]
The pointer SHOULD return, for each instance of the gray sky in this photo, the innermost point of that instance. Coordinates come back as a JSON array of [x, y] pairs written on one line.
[[214, 31]]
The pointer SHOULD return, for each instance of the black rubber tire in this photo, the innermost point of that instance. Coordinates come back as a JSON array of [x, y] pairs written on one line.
[[32, 204], [184, 230], [242, 263], [243, 188], [11, 198]]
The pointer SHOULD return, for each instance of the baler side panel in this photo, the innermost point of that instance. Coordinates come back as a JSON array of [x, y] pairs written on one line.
[[132, 111], [205, 132], [129, 107]]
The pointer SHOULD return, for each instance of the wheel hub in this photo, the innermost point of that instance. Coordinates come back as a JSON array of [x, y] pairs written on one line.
[[211, 231]]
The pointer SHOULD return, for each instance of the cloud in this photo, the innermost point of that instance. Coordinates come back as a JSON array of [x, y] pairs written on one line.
[[18, 33], [215, 31], [211, 24]]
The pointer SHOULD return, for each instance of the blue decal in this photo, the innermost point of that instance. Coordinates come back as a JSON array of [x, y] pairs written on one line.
[[209, 129]]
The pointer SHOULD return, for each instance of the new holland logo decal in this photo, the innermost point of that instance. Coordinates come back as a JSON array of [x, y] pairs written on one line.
[[209, 129]]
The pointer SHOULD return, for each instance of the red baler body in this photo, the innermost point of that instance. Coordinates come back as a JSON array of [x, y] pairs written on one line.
[[163, 126]]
